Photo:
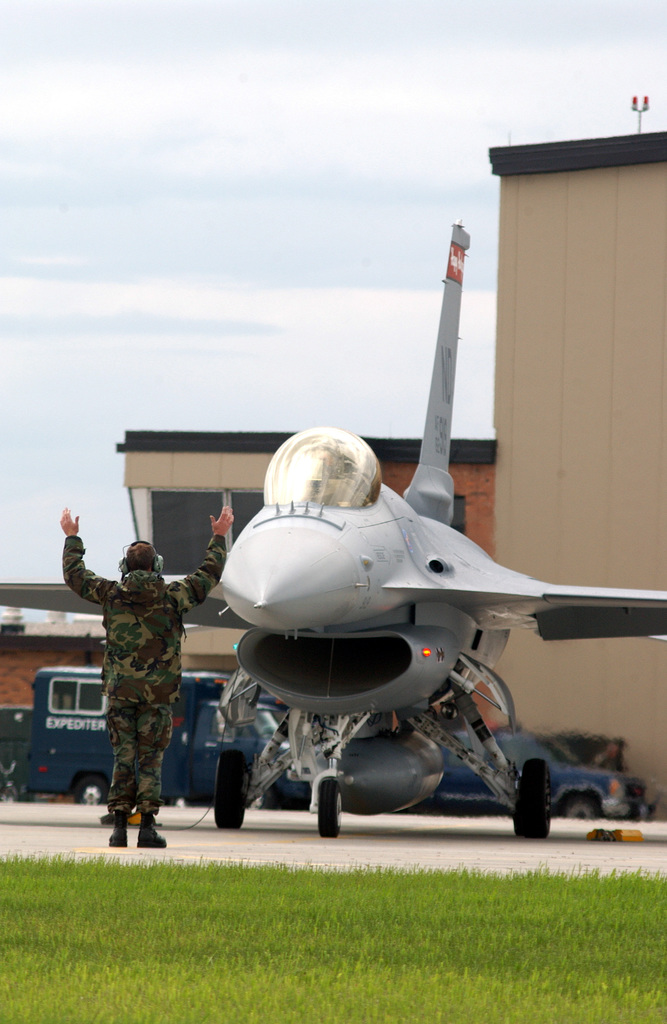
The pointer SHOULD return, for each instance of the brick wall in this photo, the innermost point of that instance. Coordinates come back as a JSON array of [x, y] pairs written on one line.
[[18, 668], [476, 483]]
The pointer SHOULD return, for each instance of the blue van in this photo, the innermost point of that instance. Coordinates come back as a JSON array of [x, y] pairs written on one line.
[[70, 753]]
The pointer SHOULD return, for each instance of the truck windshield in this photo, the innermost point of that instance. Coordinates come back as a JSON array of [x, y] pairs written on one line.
[[327, 466], [264, 726]]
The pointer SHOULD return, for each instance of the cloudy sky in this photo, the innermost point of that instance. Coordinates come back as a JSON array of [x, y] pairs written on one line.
[[235, 215]]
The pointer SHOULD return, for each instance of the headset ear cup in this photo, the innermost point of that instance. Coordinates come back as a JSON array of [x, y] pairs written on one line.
[[158, 560]]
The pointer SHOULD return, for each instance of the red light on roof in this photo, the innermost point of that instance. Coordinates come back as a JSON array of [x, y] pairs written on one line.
[[426, 651]]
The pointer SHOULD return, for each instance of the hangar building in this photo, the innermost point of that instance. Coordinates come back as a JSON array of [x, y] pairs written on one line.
[[581, 419]]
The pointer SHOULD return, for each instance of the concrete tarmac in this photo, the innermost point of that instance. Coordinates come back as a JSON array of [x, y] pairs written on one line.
[[406, 841]]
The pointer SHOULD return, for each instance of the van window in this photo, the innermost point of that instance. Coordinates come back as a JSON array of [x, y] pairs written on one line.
[[76, 696]]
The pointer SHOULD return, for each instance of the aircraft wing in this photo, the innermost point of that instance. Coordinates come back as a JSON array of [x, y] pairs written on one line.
[[54, 597], [557, 613], [581, 613], [58, 597]]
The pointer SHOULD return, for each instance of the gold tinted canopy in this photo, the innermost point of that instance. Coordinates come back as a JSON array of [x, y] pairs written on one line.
[[324, 465]]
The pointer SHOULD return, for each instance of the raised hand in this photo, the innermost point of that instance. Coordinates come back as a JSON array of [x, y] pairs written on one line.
[[70, 526], [221, 525]]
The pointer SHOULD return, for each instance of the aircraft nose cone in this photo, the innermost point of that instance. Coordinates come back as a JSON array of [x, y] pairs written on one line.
[[290, 578]]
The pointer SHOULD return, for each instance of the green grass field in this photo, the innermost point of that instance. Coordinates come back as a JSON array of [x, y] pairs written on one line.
[[98, 941]]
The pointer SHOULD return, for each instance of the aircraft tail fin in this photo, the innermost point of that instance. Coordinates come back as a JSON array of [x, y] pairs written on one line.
[[431, 492]]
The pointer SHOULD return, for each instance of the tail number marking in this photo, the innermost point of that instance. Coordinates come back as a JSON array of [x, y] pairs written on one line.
[[441, 438]]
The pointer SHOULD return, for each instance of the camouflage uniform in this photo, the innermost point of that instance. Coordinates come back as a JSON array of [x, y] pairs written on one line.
[[143, 618]]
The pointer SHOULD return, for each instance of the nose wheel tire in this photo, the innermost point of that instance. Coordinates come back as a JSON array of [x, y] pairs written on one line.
[[329, 808], [231, 784], [532, 817]]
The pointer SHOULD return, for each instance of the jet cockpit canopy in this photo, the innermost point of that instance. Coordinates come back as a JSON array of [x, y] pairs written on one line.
[[326, 466]]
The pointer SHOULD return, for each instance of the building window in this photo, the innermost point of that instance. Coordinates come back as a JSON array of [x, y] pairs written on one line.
[[459, 518], [181, 525], [246, 505]]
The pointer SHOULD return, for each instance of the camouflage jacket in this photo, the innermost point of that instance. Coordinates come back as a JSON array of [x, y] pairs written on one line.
[[143, 618]]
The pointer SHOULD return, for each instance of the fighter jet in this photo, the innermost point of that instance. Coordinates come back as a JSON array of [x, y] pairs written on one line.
[[379, 625]]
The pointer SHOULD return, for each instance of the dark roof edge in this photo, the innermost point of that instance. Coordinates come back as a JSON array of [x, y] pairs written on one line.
[[579, 155], [386, 449], [200, 441]]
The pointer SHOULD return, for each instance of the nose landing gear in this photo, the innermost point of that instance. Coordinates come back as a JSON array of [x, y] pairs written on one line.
[[329, 808]]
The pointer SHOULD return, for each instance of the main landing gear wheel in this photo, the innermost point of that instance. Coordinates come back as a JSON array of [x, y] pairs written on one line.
[[329, 808], [231, 784], [532, 817]]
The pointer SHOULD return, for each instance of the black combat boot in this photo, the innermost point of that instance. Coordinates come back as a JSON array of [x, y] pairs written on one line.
[[147, 834], [119, 835]]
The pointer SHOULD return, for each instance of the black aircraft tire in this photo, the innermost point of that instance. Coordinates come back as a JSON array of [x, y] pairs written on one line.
[[230, 789], [532, 818], [329, 806]]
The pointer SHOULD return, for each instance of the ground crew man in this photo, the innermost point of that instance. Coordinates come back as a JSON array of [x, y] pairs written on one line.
[[141, 672]]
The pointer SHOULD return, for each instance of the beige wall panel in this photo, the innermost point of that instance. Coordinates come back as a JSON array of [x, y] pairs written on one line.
[[544, 677], [537, 317], [505, 399], [610, 389], [581, 415], [583, 469], [211, 641], [206, 470], [220, 470], [245, 471], [199, 470], [639, 376], [148, 469]]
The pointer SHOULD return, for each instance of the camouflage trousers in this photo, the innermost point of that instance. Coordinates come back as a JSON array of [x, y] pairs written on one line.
[[139, 734]]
